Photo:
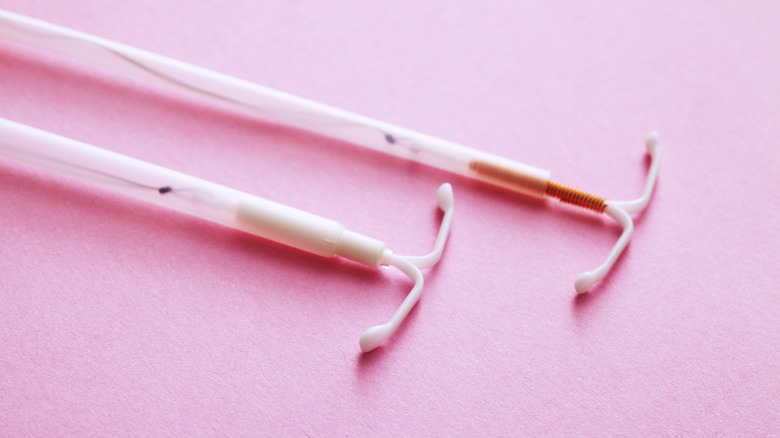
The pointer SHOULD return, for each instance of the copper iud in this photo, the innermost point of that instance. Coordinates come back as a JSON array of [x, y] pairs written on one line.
[[295, 111], [552, 189]]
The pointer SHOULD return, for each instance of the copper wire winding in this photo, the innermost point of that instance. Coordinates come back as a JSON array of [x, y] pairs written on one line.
[[576, 197], [536, 186]]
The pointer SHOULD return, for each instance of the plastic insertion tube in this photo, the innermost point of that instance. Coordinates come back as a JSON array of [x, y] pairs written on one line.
[[226, 206], [291, 110]]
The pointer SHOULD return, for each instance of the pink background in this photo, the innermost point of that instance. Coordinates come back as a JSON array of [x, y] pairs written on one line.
[[120, 318]]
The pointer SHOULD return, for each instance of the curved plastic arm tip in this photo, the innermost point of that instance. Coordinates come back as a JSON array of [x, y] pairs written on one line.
[[376, 335], [446, 203], [620, 210]]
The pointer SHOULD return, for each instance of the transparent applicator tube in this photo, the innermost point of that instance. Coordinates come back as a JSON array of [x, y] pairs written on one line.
[[226, 206], [332, 122]]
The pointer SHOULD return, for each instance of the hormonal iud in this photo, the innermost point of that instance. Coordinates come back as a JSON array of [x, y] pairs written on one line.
[[332, 122], [226, 206]]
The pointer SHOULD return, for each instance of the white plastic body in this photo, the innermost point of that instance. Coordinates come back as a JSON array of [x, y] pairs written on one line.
[[268, 103], [620, 211]]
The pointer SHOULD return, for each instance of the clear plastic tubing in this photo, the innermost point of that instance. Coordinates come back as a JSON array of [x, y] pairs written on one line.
[[291, 110], [275, 105], [171, 189]]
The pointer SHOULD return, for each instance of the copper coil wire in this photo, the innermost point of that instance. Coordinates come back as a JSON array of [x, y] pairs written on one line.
[[576, 197]]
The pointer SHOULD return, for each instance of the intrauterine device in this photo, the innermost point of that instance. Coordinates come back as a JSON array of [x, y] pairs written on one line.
[[332, 122], [225, 206]]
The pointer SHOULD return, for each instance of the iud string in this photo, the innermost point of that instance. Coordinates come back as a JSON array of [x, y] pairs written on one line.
[[316, 117]]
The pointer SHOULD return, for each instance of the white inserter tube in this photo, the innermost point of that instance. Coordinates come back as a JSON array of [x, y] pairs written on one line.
[[226, 206], [332, 122]]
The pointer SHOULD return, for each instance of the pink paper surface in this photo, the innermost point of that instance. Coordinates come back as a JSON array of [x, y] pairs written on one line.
[[121, 318]]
